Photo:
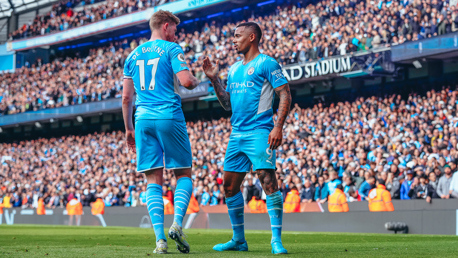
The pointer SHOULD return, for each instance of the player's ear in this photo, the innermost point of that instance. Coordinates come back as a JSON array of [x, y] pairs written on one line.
[[165, 26], [252, 37]]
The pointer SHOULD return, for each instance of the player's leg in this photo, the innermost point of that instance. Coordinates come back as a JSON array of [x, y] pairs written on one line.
[[150, 162], [239, 164], [155, 206], [181, 199], [263, 158], [274, 203], [183, 194], [235, 203], [235, 207], [173, 137]]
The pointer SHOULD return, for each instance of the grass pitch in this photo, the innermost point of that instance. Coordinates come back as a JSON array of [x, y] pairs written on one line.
[[64, 241]]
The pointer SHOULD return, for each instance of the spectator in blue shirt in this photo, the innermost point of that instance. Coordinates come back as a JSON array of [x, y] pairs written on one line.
[[405, 187], [142, 196], [215, 195], [333, 182], [205, 196], [321, 191], [366, 186]]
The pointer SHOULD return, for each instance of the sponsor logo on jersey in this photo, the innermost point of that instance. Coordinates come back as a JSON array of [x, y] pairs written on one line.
[[251, 71], [181, 57], [236, 85], [278, 74]]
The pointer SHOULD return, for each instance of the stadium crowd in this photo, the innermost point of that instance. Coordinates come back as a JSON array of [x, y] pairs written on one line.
[[63, 15], [410, 143], [292, 34]]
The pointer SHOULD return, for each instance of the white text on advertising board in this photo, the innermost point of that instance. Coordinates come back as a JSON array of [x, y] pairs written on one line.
[[195, 3], [317, 68]]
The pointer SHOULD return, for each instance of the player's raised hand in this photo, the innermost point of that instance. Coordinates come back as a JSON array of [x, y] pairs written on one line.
[[275, 138], [130, 137], [209, 69]]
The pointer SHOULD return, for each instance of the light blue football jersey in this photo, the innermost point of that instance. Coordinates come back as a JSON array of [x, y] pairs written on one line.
[[251, 88], [152, 66]]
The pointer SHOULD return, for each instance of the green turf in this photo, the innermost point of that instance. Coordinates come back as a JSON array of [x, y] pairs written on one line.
[[64, 241]]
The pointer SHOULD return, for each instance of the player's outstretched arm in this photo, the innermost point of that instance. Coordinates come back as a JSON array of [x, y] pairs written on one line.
[[276, 136], [187, 79], [212, 73], [127, 109]]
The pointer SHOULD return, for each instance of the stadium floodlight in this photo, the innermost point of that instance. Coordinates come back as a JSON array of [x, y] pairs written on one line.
[[417, 64], [37, 124], [51, 120], [1, 130], [79, 119]]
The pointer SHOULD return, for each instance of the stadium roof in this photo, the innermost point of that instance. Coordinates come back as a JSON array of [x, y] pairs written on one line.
[[8, 6]]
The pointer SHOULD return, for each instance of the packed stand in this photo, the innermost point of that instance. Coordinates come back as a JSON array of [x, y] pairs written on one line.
[[291, 35], [410, 143], [63, 15]]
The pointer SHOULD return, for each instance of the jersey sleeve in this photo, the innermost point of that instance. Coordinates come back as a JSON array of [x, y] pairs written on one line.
[[273, 73], [177, 59], [128, 70]]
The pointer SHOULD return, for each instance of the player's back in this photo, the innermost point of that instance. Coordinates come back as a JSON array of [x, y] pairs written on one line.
[[152, 67]]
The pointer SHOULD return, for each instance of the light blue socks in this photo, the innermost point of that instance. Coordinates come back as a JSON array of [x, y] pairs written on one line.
[[235, 205], [155, 206], [181, 200], [275, 209]]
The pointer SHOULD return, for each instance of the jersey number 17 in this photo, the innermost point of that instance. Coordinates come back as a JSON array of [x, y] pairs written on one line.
[[141, 68]]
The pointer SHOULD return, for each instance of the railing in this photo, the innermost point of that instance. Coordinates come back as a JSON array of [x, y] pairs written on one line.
[[87, 108]]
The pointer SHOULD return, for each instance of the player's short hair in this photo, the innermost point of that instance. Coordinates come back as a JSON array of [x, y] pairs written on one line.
[[254, 27], [160, 17]]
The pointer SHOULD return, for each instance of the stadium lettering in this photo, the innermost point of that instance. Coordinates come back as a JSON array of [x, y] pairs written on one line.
[[195, 3], [9, 219], [320, 68]]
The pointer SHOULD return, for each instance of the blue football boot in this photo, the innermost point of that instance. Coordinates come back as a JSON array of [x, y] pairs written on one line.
[[231, 246], [277, 248]]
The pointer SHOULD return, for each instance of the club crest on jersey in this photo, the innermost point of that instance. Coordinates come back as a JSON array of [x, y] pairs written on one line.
[[251, 71], [181, 57]]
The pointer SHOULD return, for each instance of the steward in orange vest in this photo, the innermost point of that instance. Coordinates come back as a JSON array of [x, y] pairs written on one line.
[[379, 198], [257, 205], [168, 206], [193, 206], [292, 201], [98, 207], [7, 201], [41, 207], [74, 207], [337, 202]]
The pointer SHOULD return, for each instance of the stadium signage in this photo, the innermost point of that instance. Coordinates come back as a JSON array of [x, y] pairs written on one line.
[[196, 3], [200, 90], [318, 68], [108, 25]]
